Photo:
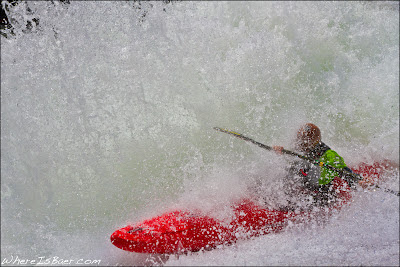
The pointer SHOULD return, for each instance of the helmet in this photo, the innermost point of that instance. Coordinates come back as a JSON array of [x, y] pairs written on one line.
[[308, 137]]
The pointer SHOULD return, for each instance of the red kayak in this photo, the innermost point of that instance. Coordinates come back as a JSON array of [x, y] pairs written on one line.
[[183, 231]]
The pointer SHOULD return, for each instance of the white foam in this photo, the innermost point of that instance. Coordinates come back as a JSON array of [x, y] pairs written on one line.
[[107, 114]]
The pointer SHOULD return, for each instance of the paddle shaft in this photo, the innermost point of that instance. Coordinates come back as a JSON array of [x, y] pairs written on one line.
[[342, 172], [315, 162]]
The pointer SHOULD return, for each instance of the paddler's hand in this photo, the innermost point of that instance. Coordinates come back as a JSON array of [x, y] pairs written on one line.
[[366, 182], [278, 149]]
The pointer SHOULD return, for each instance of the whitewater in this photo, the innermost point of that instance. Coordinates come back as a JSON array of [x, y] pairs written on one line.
[[108, 109]]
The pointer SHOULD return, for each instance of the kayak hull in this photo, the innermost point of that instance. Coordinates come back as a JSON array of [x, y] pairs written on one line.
[[190, 231], [181, 231]]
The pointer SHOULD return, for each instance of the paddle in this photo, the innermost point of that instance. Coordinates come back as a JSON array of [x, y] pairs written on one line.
[[347, 172]]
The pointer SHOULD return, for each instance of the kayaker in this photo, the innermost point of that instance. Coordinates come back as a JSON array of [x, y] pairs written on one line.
[[305, 179]]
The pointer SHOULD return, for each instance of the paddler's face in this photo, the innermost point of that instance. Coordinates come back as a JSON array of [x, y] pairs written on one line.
[[304, 145]]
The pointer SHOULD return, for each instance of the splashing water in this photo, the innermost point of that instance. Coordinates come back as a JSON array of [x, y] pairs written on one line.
[[107, 113]]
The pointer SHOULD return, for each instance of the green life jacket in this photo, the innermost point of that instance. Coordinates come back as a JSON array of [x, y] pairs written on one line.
[[324, 154], [333, 159]]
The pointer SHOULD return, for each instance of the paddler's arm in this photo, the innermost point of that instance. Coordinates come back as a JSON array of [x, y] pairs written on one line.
[[278, 149], [366, 182]]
